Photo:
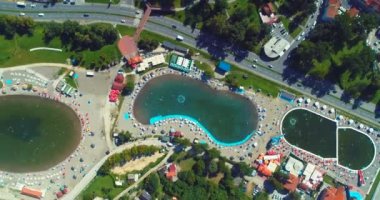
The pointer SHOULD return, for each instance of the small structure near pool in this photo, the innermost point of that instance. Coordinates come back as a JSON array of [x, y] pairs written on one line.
[[224, 67], [181, 63]]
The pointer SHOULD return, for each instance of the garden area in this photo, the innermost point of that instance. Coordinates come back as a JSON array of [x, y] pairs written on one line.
[[203, 174], [16, 45], [103, 184]]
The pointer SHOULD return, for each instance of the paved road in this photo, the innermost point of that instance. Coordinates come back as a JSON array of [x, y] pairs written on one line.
[[154, 169], [162, 25], [92, 173]]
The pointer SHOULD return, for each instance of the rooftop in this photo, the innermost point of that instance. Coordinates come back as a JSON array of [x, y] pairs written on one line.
[[276, 47]]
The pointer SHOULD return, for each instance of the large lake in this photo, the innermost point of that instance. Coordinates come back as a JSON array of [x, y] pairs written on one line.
[[35, 133], [229, 117]]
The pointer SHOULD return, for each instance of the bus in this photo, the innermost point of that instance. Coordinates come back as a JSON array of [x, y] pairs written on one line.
[[21, 4]]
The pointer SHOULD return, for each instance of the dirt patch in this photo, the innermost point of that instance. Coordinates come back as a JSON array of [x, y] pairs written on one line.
[[137, 164]]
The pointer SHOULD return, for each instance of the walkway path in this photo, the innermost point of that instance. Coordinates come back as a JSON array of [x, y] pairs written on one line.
[[92, 173], [124, 192]]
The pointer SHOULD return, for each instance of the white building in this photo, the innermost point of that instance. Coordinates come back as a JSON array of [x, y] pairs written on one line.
[[276, 47]]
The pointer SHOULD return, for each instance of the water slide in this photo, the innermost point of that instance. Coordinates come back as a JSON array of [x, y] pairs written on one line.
[[361, 177]]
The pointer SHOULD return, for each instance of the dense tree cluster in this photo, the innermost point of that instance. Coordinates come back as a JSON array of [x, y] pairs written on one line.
[[129, 85], [125, 156], [80, 37], [241, 28], [304, 7], [194, 183], [147, 44], [337, 51], [11, 25]]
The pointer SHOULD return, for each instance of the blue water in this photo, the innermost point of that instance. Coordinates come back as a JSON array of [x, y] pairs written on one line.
[[355, 194], [126, 116], [156, 119], [8, 82]]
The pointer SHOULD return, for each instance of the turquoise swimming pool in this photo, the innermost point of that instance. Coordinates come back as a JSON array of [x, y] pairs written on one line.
[[356, 195]]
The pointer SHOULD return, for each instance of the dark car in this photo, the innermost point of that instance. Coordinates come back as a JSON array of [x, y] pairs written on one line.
[[174, 26], [86, 15]]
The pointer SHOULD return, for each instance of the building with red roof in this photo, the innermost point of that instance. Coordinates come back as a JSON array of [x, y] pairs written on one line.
[[331, 9], [31, 192], [171, 172], [117, 86], [292, 183], [119, 78], [353, 12], [373, 5], [332, 193]]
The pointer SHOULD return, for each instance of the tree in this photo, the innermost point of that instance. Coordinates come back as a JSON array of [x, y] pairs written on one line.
[[182, 141], [148, 45], [125, 137], [276, 184], [153, 185], [261, 196], [199, 167], [295, 196], [212, 153], [220, 5], [213, 168], [129, 86]]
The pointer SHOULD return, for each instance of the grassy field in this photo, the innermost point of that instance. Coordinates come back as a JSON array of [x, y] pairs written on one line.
[[16, 51], [72, 82], [373, 189], [103, 1], [102, 186], [187, 164]]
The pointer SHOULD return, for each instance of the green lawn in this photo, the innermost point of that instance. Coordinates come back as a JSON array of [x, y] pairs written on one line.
[[328, 179], [187, 164], [202, 66], [100, 186], [16, 51], [373, 188], [103, 1], [253, 80], [70, 81]]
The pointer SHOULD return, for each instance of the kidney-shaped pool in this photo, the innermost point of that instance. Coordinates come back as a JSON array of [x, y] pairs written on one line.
[[228, 118]]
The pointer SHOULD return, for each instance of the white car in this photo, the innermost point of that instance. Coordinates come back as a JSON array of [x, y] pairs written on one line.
[[22, 14], [41, 14], [122, 21]]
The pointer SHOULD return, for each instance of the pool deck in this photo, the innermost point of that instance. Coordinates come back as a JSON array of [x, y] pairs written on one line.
[[90, 109], [270, 111]]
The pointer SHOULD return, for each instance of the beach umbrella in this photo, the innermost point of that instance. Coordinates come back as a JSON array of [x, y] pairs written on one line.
[[361, 126], [316, 104], [92, 145], [340, 117], [172, 130], [162, 132], [371, 130], [80, 159], [350, 121], [308, 100], [300, 100], [324, 107], [332, 110]]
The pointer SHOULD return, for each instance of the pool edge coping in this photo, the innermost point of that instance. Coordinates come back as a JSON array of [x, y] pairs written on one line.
[[204, 129], [337, 137]]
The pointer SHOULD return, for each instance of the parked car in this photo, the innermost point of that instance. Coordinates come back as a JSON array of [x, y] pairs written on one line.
[[122, 21], [22, 14], [41, 14]]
